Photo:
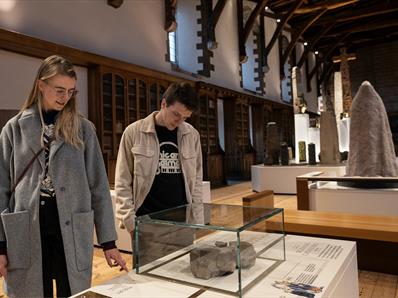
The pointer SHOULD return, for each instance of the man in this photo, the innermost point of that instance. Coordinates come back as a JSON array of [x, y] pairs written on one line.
[[159, 164]]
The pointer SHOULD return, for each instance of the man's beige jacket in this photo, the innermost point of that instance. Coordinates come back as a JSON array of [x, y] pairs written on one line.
[[137, 163]]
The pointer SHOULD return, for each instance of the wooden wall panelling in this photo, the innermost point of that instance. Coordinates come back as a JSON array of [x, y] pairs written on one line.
[[118, 98], [120, 110], [6, 115], [132, 102], [233, 154], [258, 131], [239, 154], [243, 129], [206, 122]]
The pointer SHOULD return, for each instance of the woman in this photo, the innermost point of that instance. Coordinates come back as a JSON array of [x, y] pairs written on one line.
[[47, 221]]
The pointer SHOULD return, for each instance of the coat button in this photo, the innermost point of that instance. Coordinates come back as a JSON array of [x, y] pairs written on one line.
[[67, 222], [62, 188]]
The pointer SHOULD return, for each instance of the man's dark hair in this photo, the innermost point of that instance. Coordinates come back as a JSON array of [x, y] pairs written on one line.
[[184, 93]]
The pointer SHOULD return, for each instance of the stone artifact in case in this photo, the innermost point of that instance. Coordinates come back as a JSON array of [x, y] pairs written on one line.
[[226, 248]]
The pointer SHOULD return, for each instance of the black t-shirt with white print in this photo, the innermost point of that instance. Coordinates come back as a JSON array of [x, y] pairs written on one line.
[[168, 189]]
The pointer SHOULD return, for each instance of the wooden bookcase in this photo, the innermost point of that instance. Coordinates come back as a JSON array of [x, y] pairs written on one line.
[[206, 122], [117, 99], [239, 153]]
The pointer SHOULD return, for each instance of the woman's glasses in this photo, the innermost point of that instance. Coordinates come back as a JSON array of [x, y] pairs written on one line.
[[62, 92]]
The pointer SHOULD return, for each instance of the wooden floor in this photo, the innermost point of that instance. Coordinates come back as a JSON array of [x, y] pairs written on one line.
[[371, 284]]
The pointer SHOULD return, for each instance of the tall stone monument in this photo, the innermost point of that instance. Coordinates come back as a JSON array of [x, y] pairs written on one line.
[[371, 151], [330, 153]]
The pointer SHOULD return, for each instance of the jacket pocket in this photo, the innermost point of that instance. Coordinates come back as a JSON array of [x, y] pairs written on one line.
[[83, 227], [143, 158], [17, 229], [189, 163]]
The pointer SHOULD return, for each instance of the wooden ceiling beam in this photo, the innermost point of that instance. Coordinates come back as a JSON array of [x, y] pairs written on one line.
[[326, 73], [298, 34], [242, 48], [360, 13], [327, 55], [281, 3], [355, 44], [364, 28], [252, 19], [313, 43], [329, 5], [170, 23], [214, 16], [282, 24]]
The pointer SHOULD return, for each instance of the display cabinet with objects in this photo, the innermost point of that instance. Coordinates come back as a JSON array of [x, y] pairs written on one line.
[[223, 248]]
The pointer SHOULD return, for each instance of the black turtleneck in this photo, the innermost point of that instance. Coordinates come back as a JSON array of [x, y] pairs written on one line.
[[49, 117]]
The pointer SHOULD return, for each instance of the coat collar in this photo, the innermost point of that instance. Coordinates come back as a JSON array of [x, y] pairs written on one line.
[[148, 125], [30, 124]]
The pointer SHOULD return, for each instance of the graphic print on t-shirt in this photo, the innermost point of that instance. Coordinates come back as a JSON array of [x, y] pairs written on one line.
[[168, 159]]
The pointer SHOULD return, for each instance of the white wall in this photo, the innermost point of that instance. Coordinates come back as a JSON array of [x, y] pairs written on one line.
[[134, 33], [248, 67], [226, 56], [17, 73], [187, 38]]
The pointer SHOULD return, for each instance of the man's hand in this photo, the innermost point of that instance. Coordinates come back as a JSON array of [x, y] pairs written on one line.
[[114, 255], [3, 266]]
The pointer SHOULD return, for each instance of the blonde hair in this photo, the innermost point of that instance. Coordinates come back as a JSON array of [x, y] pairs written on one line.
[[68, 121]]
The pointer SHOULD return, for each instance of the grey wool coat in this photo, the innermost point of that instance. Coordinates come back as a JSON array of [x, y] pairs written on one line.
[[83, 199]]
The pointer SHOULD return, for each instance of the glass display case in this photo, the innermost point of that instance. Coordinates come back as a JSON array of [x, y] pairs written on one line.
[[225, 248]]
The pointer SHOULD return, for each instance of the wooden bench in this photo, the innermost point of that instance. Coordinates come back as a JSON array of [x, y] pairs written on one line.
[[376, 236], [263, 199]]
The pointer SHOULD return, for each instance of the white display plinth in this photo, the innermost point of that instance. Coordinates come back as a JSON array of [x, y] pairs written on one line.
[[328, 196], [326, 264], [301, 125], [124, 239], [282, 179]]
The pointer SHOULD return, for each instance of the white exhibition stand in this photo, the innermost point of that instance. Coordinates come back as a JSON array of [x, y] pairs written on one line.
[[328, 264], [328, 196], [282, 179], [124, 238]]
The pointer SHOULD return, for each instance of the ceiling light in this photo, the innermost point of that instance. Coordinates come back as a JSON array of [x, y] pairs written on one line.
[[305, 43], [278, 20], [316, 52]]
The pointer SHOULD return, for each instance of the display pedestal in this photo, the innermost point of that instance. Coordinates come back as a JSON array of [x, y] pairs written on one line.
[[328, 196], [312, 264], [282, 179], [124, 239]]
